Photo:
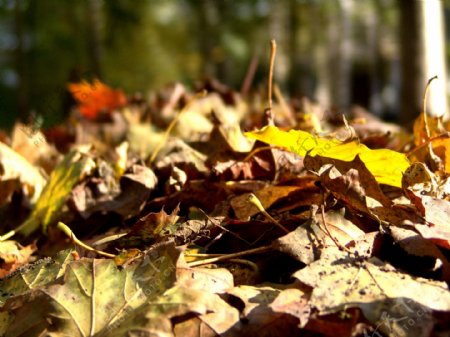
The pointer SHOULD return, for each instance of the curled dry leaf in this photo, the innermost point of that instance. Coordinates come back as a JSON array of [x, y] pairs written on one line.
[[270, 311], [31, 143], [13, 255], [15, 167], [437, 214], [363, 181], [422, 187], [149, 228]]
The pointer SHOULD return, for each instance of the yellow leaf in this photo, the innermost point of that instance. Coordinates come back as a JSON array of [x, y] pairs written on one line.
[[62, 180], [387, 166]]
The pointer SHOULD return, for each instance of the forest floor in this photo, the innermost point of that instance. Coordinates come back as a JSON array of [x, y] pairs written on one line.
[[159, 216]]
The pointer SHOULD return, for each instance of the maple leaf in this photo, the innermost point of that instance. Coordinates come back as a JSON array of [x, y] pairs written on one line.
[[96, 98], [387, 166]]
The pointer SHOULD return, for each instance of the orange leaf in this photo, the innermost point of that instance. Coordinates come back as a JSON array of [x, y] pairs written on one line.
[[96, 98], [420, 128], [441, 148]]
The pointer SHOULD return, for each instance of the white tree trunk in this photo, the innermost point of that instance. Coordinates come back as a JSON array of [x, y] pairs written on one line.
[[432, 35], [423, 56]]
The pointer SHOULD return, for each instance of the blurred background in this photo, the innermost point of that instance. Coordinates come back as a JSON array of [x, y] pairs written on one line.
[[375, 53]]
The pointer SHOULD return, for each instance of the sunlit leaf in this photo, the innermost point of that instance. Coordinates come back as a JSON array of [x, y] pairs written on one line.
[[385, 165]]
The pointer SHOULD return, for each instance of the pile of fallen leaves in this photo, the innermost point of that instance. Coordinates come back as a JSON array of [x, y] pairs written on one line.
[[159, 216]]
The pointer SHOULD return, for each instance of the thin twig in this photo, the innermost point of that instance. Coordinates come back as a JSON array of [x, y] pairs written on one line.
[[425, 95], [202, 255], [273, 51], [240, 261], [231, 256], [327, 231]]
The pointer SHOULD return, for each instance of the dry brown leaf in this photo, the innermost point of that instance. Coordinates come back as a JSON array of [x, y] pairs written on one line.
[[437, 214], [361, 182], [15, 167], [379, 291], [308, 241], [269, 311]]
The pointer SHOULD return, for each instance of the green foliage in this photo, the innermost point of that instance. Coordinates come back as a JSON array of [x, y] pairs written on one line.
[[92, 297]]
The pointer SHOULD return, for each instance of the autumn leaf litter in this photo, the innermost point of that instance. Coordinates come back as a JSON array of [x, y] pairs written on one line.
[[288, 231]]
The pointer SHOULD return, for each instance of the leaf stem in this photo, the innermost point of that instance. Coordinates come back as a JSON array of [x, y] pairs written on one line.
[[66, 230], [255, 201]]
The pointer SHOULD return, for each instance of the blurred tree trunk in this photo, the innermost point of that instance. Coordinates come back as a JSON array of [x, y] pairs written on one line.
[[94, 38], [375, 59], [224, 63], [334, 57], [294, 76], [410, 56], [21, 62], [207, 15], [321, 41], [341, 87], [422, 57]]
